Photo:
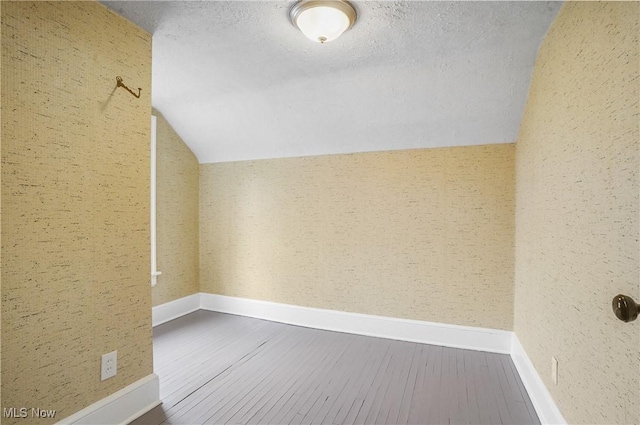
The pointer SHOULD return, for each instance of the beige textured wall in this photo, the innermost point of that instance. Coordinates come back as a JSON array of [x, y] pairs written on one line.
[[75, 204], [0, 216], [177, 206], [419, 234], [577, 212]]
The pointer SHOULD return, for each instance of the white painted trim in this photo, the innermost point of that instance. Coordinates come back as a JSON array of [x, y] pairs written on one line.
[[152, 203], [542, 401], [482, 339], [173, 309], [121, 407]]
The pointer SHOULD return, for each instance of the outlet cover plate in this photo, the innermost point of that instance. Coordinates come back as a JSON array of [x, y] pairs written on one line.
[[109, 365], [554, 370]]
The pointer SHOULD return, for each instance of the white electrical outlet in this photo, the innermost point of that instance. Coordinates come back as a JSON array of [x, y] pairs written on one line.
[[554, 370], [109, 365]]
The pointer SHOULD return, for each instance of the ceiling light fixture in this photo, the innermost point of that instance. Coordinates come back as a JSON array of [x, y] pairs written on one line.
[[323, 20]]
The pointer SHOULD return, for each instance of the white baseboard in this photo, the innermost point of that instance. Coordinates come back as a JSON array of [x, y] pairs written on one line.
[[122, 406], [542, 401], [481, 339], [491, 340], [174, 309]]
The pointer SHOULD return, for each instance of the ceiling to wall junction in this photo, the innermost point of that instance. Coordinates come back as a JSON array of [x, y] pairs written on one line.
[[237, 81]]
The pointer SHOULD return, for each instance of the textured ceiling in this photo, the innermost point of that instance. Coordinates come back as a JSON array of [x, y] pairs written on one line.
[[237, 81]]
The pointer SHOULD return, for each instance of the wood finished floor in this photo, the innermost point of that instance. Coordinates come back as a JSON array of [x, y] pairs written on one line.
[[222, 369]]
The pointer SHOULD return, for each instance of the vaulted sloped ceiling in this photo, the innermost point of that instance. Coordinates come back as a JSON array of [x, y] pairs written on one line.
[[237, 81]]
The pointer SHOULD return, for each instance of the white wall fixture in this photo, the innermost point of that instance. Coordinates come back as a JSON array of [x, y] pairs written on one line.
[[323, 20], [154, 265], [109, 365]]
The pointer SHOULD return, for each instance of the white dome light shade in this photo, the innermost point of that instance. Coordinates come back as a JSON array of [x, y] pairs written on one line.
[[323, 21], [322, 24]]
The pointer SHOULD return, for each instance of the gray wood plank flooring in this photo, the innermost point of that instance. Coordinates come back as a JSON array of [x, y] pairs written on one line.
[[222, 369]]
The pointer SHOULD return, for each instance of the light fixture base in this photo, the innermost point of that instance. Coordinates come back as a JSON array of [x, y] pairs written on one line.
[[323, 20]]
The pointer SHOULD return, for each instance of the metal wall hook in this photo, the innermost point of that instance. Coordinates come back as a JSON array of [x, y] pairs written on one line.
[[121, 84], [625, 308]]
